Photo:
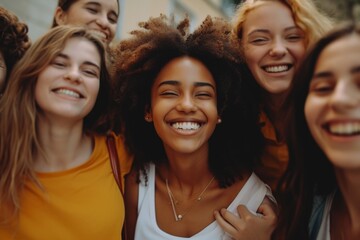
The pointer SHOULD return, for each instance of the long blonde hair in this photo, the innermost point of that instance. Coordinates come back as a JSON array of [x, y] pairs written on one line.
[[19, 141], [305, 13]]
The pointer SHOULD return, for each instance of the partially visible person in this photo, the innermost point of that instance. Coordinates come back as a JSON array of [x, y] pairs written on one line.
[[322, 184], [14, 41], [274, 36], [98, 15], [191, 122], [56, 180]]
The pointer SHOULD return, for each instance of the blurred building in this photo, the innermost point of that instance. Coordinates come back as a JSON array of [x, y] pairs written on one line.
[[38, 14]]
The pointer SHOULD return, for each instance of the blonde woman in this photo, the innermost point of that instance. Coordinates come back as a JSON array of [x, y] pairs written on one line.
[[274, 36]]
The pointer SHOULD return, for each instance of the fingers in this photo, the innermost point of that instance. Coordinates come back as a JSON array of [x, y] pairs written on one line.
[[221, 218], [268, 213], [244, 212], [247, 225]]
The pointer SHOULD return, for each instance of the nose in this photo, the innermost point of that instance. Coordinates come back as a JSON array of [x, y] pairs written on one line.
[[103, 21], [73, 74], [186, 104], [278, 48], [345, 96]]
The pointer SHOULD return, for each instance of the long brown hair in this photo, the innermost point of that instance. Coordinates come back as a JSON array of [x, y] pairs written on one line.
[[19, 140], [14, 39]]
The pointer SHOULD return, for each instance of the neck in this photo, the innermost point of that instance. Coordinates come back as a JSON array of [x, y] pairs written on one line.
[[273, 108], [187, 172], [63, 146]]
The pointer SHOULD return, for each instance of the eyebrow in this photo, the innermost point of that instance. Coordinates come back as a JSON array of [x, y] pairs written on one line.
[[196, 84], [62, 55], [322, 74], [325, 74], [267, 31]]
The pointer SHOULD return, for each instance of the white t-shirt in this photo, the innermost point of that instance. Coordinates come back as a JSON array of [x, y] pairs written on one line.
[[251, 195]]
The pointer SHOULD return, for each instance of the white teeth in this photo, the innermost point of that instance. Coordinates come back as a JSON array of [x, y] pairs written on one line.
[[345, 128], [68, 93], [186, 125], [100, 34], [275, 69]]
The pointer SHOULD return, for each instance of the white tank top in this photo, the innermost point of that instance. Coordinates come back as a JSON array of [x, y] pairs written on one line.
[[324, 231], [251, 195]]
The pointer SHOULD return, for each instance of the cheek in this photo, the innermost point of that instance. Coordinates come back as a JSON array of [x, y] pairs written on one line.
[[307, 108], [253, 56], [299, 51], [113, 30], [39, 93], [95, 88]]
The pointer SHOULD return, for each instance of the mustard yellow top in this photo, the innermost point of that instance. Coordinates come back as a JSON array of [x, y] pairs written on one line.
[[80, 203], [275, 157]]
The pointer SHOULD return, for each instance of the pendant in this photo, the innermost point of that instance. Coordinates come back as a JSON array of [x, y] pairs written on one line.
[[180, 217]]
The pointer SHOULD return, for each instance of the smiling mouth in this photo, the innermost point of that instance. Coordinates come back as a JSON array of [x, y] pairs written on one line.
[[343, 129], [186, 126], [68, 92], [100, 35], [277, 68]]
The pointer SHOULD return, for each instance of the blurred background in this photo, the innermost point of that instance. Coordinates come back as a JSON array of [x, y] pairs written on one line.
[[38, 13]]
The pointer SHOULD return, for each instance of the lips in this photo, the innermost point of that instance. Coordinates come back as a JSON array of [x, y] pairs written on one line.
[[277, 68], [343, 129]]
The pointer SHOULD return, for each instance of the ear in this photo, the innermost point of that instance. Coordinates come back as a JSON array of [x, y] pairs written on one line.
[[60, 16], [148, 115]]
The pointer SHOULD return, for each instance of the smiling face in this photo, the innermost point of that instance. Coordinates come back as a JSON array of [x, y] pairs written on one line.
[[184, 106], [332, 108], [273, 46], [69, 85], [99, 15]]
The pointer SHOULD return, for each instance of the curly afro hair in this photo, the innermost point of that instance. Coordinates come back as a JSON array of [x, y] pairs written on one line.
[[236, 142], [14, 40]]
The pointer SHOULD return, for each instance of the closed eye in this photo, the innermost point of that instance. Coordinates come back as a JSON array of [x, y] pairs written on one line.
[[169, 93], [203, 95], [113, 19], [321, 87], [58, 64], [91, 73], [294, 37], [259, 41], [91, 10]]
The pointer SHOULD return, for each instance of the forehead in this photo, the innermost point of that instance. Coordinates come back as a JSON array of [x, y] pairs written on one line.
[[269, 15], [185, 69], [341, 54], [80, 48], [110, 5]]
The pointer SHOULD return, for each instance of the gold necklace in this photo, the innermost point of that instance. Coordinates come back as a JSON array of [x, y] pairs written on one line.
[[173, 201]]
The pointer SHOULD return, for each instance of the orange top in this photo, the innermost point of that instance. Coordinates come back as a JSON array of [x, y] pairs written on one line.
[[79, 203], [275, 157]]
